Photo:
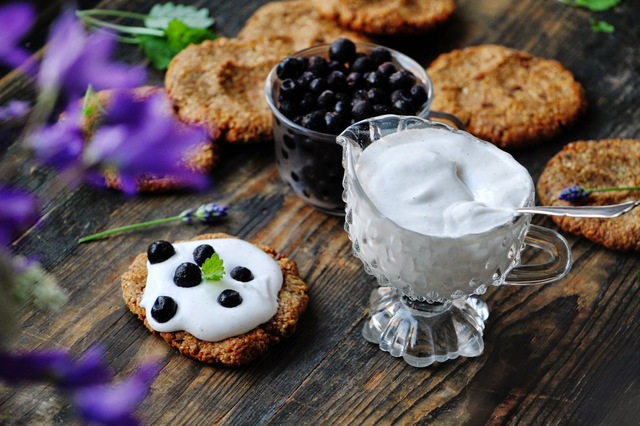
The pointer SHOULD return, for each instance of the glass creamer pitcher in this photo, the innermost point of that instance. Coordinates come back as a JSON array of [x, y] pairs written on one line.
[[427, 306]]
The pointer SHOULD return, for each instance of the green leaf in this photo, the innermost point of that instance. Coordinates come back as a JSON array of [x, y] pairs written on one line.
[[180, 35], [593, 5], [597, 5], [157, 49], [213, 268], [161, 15], [601, 27]]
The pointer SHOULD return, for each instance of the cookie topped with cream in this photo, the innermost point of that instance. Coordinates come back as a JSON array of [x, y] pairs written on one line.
[[216, 298]]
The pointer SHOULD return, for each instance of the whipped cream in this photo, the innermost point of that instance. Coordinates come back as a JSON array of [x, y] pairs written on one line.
[[436, 182], [198, 311]]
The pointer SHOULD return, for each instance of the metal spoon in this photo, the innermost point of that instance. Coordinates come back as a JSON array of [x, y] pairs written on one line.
[[605, 212]]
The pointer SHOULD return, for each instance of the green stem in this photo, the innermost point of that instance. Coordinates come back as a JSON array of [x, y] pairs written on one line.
[[122, 28], [617, 188], [128, 228], [108, 12]]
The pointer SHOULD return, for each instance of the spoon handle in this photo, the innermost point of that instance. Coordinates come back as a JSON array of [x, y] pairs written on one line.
[[611, 211]]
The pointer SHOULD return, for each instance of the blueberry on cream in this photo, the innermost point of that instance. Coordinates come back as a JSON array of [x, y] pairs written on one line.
[[178, 296]]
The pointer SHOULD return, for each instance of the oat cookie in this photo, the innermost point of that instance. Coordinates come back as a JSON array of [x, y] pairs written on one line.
[[200, 159], [506, 96], [221, 82], [232, 351], [387, 17], [297, 19], [597, 164]]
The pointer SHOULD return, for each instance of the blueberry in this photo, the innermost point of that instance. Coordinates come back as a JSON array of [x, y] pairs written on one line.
[[403, 108], [381, 109], [305, 78], [202, 253], [337, 66], [380, 55], [363, 64], [229, 298], [326, 100], [377, 96], [289, 89], [314, 121], [318, 65], [307, 103], [400, 95], [163, 309], [402, 79], [361, 110], [337, 81], [386, 69], [418, 95], [187, 275], [290, 67], [334, 122], [318, 85], [159, 251], [355, 80], [288, 108], [240, 273], [341, 107], [342, 50], [375, 80]]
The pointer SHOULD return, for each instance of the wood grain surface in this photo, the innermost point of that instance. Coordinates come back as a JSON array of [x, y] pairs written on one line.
[[566, 353]]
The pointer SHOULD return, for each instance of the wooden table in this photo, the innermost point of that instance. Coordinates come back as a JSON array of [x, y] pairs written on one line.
[[566, 353]]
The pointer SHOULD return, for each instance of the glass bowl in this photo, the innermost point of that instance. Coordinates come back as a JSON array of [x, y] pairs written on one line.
[[310, 162]]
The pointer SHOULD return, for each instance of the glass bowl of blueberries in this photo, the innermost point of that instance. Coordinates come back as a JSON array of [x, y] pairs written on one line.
[[316, 93]]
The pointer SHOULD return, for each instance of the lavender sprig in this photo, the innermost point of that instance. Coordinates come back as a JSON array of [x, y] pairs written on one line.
[[205, 213], [577, 193]]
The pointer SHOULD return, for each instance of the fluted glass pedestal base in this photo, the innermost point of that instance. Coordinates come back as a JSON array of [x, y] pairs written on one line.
[[423, 333]]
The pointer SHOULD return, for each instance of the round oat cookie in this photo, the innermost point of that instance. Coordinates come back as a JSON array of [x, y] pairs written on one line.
[[597, 164], [506, 96], [222, 81], [387, 17], [201, 158], [233, 351], [297, 19]]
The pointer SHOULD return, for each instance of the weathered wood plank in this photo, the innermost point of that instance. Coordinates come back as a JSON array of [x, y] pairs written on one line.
[[565, 353]]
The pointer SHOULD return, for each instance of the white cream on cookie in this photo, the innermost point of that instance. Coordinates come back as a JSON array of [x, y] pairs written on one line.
[[197, 309]]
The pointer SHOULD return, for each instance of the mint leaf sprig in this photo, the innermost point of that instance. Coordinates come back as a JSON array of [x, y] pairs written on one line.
[[576, 193], [205, 213], [166, 30], [213, 268]]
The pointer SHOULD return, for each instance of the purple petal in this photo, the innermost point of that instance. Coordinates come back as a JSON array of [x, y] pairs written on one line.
[[87, 371], [115, 404], [14, 109], [141, 138], [75, 60], [18, 211], [15, 21], [60, 145], [25, 367]]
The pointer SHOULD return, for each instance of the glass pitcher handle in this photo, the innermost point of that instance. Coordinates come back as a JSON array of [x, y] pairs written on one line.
[[558, 263], [447, 118]]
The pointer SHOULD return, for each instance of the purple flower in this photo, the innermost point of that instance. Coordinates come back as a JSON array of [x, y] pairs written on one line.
[[75, 60], [61, 144], [87, 382], [573, 194], [18, 210], [15, 21], [205, 213], [110, 404], [14, 109], [141, 138], [54, 366]]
